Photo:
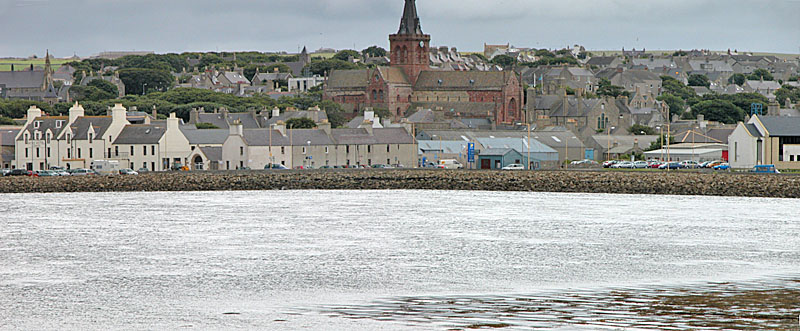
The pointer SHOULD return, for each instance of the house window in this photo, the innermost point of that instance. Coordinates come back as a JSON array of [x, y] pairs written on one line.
[[326, 150], [283, 151], [69, 152], [304, 150], [241, 150], [37, 124], [69, 139], [26, 137], [37, 153], [228, 165], [348, 149], [116, 151], [144, 150], [79, 153], [369, 148], [59, 124], [109, 139], [109, 152], [91, 153], [48, 137], [132, 150], [26, 152], [153, 150], [387, 148], [48, 151], [91, 137], [38, 135]]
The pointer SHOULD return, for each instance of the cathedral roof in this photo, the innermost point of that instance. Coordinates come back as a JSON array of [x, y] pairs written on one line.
[[409, 23], [461, 80], [348, 79]]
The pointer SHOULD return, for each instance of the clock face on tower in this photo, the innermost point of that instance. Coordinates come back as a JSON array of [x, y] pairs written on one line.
[[422, 44]]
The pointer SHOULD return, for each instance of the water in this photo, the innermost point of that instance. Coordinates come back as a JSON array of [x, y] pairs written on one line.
[[397, 260]]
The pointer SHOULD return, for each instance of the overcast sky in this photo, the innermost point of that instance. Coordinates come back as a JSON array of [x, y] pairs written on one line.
[[86, 27]]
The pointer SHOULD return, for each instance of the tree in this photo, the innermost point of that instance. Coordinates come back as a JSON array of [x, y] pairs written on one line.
[[206, 126], [137, 81], [374, 51], [544, 53], [300, 123], [326, 66], [737, 79], [639, 130], [105, 86], [699, 80], [605, 88], [504, 61], [345, 55], [6, 121], [676, 104], [89, 93], [673, 86], [760, 74], [719, 110], [680, 53], [657, 144], [787, 91]]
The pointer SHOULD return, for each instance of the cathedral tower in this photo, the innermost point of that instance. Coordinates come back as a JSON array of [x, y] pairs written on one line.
[[409, 46]]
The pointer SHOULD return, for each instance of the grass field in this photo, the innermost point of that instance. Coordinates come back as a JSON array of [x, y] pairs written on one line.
[[20, 64]]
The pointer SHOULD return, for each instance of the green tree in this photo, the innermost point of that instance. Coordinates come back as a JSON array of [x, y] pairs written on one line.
[[300, 123], [737, 79], [760, 74], [345, 55], [6, 121], [699, 80], [206, 126], [544, 53], [658, 143], [326, 66], [137, 81], [673, 86], [605, 88], [676, 104], [105, 86], [790, 92], [374, 51], [719, 110], [639, 130], [89, 93], [504, 61]]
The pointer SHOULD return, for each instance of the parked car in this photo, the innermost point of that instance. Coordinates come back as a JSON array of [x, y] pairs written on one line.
[[623, 165], [765, 169], [723, 166], [451, 164], [275, 166], [380, 166], [82, 172], [690, 164], [142, 170], [641, 165], [127, 171], [20, 172], [46, 173], [61, 173], [4, 172], [671, 165], [514, 166], [608, 164], [713, 164]]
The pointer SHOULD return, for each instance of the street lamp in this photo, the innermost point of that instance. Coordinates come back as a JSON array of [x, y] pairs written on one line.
[[529, 145], [661, 137], [608, 143], [144, 88]]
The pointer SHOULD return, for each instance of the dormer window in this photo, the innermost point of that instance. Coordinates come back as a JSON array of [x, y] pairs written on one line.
[[59, 123], [26, 137], [36, 124]]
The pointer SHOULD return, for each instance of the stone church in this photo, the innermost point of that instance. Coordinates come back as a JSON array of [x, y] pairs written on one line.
[[410, 83]]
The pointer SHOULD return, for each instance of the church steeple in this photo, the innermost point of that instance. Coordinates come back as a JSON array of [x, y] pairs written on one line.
[[409, 23]]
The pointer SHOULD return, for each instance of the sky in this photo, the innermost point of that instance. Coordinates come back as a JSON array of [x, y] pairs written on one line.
[[87, 27]]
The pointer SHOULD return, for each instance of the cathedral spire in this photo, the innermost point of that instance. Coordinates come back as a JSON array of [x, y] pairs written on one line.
[[409, 23]]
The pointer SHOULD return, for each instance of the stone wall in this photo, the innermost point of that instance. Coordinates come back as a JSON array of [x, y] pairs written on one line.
[[673, 183]]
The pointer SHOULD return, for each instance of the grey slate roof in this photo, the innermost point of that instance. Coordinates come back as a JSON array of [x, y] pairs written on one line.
[[461, 80], [753, 130], [392, 136], [22, 79], [778, 126], [601, 60], [353, 136], [205, 136], [263, 137], [260, 77], [212, 153], [7, 136], [496, 151], [140, 134], [248, 122], [348, 79], [81, 126], [316, 116], [463, 108], [45, 123]]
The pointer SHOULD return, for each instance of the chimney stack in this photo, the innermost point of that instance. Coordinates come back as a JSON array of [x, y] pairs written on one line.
[[75, 112]]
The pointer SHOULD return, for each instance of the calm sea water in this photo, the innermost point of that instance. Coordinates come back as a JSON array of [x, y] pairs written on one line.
[[383, 259]]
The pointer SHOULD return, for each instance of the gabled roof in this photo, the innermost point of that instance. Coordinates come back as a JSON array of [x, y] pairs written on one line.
[[260, 77], [461, 80], [497, 151], [80, 128], [392, 136], [519, 144], [46, 123], [753, 130], [235, 77], [140, 134], [353, 136], [212, 153], [222, 122], [348, 79], [446, 147], [763, 85], [22, 79], [393, 75], [601, 60], [7, 136], [205, 136], [480, 109], [265, 137], [781, 126]]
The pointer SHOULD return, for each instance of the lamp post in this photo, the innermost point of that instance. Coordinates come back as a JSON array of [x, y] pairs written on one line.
[[608, 143], [661, 137], [529, 145], [144, 88]]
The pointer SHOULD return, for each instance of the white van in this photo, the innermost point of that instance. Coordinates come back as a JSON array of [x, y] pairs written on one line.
[[450, 164], [106, 167]]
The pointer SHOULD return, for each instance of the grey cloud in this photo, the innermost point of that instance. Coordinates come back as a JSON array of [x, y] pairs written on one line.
[[91, 26]]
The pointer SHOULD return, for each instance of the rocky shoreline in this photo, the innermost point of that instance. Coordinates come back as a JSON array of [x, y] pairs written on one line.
[[673, 183]]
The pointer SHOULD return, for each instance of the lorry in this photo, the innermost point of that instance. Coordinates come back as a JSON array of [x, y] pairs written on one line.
[[106, 167]]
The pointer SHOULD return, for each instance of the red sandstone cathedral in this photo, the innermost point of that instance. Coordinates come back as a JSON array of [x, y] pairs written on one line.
[[410, 83]]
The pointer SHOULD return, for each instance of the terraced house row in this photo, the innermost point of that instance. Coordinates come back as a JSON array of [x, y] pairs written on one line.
[[241, 140]]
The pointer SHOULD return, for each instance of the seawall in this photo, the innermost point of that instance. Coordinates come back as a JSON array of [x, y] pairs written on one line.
[[672, 183]]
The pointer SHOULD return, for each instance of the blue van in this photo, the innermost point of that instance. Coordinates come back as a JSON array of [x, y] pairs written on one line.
[[765, 169]]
